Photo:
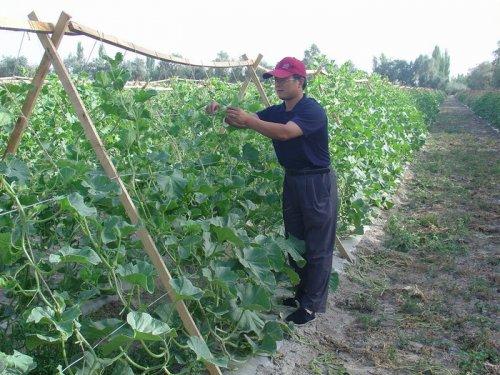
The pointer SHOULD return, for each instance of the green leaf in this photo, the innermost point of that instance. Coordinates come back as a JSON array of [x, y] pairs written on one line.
[[292, 275], [141, 274], [98, 329], [7, 254], [15, 169], [64, 325], [115, 227], [275, 253], [41, 314], [208, 245], [250, 153], [121, 368], [172, 186], [226, 234], [16, 364], [184, 289], [141, 96], [67, 174], [293, 247], [67, 254], [146, 327], [122, 337], [247, 320], [5, 120], [101, 186], [128, 137], [68, 318], [35, 340], [75, 201], [225, 274], [93, 365], [334, 281], [202, 351], [253, 297], [256, 261]]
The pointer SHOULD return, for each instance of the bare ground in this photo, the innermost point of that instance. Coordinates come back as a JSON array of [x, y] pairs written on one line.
[[423, 294]]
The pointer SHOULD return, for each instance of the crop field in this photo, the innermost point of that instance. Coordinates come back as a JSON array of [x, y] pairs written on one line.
[[79, 295]]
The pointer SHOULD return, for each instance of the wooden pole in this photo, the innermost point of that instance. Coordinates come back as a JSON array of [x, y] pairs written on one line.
[[258, 84], [109, 168], [75, 28], [37, 83], [244, 86]]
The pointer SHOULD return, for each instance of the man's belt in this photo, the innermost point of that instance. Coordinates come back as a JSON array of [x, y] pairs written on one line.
[[302, 172]]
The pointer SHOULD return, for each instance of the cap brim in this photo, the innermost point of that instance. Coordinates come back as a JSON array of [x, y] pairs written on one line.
[[279, 73]]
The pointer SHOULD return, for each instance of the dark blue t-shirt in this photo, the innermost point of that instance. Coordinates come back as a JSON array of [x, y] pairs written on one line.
[[310, 150]]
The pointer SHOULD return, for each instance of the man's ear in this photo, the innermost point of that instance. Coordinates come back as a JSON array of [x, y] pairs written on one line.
[[301, 81]]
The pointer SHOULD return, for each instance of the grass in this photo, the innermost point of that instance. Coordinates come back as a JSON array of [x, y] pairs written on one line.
[[327, 363]]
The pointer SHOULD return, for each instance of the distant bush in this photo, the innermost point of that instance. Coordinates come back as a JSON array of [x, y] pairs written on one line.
[[427, 101], [484, 103]]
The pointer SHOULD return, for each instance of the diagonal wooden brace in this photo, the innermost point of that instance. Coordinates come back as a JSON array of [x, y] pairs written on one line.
[[244, 86], [258, 84], [37, 83], [109, 168]]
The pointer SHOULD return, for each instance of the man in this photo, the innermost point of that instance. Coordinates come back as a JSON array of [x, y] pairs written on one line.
[[298, 129]]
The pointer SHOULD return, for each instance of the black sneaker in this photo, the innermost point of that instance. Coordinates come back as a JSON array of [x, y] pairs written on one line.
[[290, 302], [301, 316]]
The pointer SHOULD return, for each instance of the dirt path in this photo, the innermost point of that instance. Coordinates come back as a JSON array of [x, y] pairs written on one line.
[[423, 296]]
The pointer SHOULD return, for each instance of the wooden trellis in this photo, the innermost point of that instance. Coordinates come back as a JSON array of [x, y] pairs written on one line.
[[51, 57]]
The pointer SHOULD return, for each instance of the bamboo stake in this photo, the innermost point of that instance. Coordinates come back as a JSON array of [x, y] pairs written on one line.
[[37, 83], [109, 168]]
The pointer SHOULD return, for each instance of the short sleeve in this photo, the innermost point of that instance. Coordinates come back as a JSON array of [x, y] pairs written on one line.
[[310, 119], [265, 114]]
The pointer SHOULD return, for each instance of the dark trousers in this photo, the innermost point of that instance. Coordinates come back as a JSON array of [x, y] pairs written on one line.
[[310, 213]]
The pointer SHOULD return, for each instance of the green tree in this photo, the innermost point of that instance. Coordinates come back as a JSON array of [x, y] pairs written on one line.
[[13, 66], [397, 71], [480, 77], [137, 69], [99, 63], [150, 67], [456, 84], [76, 62], [313, 58], [218, 72], [496, 67]]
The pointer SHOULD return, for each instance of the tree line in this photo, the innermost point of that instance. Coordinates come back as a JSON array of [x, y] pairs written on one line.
[[140, 69], [434, 72], [425, 71]]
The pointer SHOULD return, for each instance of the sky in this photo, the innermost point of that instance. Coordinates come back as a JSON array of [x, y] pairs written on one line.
[[355, 30]]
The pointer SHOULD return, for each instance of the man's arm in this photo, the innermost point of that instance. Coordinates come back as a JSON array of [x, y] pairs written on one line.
[[273, 130], [280, 132]]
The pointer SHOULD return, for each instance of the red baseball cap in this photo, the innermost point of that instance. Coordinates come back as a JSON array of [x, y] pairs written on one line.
[[286, 68]]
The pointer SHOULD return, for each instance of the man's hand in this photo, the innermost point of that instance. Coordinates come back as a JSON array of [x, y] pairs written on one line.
[[212, 108], [237, 117]]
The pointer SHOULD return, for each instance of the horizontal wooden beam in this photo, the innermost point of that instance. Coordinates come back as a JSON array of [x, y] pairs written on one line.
[[28, 26], [114, 41], [308, 71], [75, 28]]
